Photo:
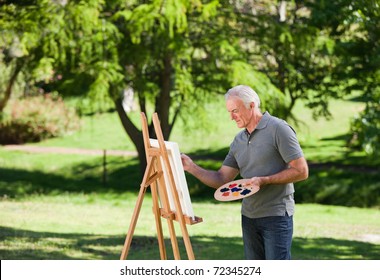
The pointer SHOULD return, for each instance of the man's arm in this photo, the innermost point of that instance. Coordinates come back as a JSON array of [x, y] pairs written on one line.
[[211, 178], [298, 170]]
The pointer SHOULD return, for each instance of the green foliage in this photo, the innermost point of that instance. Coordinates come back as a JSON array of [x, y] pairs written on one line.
[[28, 45], [354, 27], [179, 54], [366, 71], [366, 127], [68, 40], [294, 54], [271, 97], [36, 118]]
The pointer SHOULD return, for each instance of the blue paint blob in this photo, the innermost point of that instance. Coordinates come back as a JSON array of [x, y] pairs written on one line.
[[224, 190], [235, 189], [245, 192]]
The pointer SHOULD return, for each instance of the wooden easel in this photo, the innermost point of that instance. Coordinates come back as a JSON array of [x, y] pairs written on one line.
[[154, 177]]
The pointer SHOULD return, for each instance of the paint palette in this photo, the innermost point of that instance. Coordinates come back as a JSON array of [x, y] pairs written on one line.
[[235, 190]]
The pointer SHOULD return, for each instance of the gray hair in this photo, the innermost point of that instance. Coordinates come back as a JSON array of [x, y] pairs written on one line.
[[245, 93]]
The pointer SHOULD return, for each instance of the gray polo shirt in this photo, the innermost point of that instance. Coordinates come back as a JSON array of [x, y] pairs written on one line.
[[266, 151]]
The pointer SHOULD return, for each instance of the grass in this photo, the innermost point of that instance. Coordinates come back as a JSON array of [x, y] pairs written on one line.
[[93, 226], [104, 131], [99, 131], [60, 207]]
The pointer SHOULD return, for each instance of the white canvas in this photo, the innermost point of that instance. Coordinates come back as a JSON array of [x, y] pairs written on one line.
[[179, 178]]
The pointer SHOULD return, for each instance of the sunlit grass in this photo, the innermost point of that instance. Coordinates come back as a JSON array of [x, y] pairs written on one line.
[[94, 227]]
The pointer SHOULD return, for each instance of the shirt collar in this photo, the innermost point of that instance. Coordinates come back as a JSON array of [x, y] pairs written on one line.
[[262, 123]]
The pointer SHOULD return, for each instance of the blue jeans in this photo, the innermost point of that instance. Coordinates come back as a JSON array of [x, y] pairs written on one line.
[[268, 238]]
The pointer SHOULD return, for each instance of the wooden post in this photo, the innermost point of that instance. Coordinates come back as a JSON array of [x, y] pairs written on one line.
[[104, 167]]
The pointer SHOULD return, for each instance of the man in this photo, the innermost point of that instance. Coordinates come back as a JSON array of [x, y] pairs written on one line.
[[266, 153]]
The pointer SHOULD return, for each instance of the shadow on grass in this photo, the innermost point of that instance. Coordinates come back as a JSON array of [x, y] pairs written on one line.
[[337, 151], [122, 176], [333, 185], [18, 244], [334, 249], [337, 183]]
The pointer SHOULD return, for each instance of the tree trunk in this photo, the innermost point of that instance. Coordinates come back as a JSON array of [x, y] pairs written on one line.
[[12, 80], [162, 107], [133, 132], [163, 100]]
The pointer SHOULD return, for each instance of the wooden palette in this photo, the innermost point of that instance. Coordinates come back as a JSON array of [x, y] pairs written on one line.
[[235, 190]]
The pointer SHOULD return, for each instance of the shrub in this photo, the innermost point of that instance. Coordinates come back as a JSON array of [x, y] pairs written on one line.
[[366, 127], [36, 118]]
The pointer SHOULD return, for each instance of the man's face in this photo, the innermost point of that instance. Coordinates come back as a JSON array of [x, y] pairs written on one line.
[[238, 112]]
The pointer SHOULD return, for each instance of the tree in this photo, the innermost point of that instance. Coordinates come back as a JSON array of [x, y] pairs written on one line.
[[354, 27], [363, 47], [318, 50], [21, 46], [297, 55], [174, 54], [178, 55]]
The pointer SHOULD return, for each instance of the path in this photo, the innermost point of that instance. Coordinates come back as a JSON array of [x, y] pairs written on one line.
[[60, 150]]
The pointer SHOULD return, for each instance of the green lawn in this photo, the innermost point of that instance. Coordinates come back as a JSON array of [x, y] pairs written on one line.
[[57, 206], [94, 227]]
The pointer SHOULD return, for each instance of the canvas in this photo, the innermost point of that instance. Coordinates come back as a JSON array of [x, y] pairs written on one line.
[[179, 178]]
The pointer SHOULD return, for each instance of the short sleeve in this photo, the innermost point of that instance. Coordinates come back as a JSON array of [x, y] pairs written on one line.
[[287, 142], [230, 159]]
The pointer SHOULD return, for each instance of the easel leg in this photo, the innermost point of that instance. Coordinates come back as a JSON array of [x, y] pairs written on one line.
[[173, 239], [157, 216], [165, 203], [186, 240], [149, 177], [136, 212]]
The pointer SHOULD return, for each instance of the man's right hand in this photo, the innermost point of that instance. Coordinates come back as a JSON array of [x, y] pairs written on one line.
[[187, 162]]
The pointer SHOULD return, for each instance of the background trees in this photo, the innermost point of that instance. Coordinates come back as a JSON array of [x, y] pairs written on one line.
[[361, 62], [176, 55]]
